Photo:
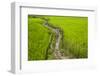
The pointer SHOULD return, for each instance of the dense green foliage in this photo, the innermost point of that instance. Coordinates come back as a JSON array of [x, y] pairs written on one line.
[[38, 39], [75, 34], [74, 41]]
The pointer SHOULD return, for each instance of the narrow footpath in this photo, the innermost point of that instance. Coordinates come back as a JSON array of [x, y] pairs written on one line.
[[57, 52]]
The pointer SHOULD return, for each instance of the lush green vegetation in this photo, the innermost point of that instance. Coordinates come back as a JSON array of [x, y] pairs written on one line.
[[38, 39], [74, 42], [75, 30]]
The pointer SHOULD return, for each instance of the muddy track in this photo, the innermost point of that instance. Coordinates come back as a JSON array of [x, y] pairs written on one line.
[[57, 52]]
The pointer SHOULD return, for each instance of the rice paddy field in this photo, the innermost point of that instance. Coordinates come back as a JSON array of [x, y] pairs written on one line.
[[57, 37]]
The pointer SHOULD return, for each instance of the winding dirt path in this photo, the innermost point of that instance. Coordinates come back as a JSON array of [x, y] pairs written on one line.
[[57, 52]]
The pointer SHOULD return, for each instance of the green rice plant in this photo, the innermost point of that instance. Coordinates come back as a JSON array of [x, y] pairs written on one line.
[[38, 39], [75, 34], [74, 41]]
